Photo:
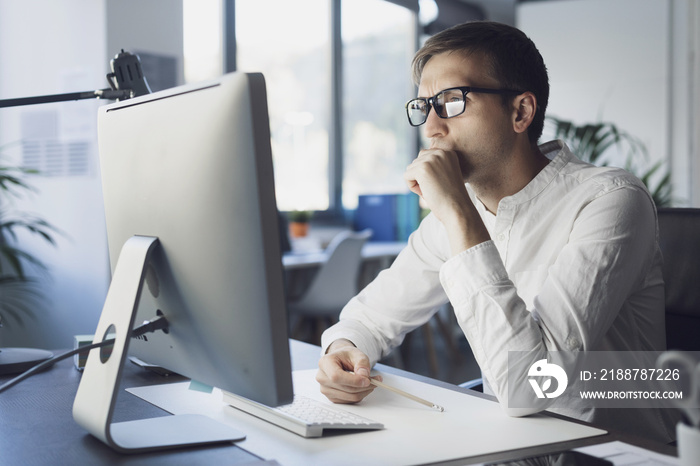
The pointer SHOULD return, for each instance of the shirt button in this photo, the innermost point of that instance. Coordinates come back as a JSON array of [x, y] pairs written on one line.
[[573, 343], [501, 237]]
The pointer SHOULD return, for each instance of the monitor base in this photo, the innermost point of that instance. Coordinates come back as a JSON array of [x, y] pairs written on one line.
[[94, 403], [165, 432]]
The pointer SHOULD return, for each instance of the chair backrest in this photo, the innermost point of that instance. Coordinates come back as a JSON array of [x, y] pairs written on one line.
[[679, 237], [336, 280]]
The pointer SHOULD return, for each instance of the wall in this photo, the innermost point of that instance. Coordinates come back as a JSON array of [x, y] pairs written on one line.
[[66, 47], [152, 27], [61, 49], [625, 61], [693, 22]]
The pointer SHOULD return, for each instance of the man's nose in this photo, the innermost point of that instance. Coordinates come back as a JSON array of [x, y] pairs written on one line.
[[434, 126]]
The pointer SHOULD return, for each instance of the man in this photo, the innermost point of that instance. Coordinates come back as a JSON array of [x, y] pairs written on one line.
[[537, 252]]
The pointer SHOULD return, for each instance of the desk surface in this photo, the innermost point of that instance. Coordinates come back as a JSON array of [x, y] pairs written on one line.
[[37, 427]]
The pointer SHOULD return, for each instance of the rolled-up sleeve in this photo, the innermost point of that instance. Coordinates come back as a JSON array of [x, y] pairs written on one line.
[[608, 252], [401, 298]]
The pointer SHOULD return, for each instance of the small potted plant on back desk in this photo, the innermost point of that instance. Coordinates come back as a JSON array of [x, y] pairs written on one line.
[[299, 223]]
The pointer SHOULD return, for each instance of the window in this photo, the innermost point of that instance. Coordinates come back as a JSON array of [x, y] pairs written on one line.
[[378, 144], [203, 40], [289, 42], [292, 44]]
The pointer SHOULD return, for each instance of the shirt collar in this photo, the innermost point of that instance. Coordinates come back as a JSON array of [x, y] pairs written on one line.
[[560, 155]]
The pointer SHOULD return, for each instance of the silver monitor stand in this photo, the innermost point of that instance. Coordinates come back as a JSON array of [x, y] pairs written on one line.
[[94, 403]]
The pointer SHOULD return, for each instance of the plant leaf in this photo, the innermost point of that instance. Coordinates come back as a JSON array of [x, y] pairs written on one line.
[[591, 142]]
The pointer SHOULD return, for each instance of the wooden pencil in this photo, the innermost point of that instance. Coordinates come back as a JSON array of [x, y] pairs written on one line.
[[377, 383]]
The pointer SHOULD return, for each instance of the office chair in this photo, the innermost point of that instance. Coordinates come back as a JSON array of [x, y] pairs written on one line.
[[334, 284], [679, 239]]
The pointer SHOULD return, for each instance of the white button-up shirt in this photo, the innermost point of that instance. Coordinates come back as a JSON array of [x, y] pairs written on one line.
[[573, 265]]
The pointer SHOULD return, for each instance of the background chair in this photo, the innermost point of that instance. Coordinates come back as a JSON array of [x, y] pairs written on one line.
[[679, 237], [332, 287]]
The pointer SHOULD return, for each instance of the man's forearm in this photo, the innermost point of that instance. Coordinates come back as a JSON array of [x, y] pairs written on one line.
[[465, 229]]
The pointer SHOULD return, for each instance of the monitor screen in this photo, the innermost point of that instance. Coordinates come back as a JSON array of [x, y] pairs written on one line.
[[192, 166]]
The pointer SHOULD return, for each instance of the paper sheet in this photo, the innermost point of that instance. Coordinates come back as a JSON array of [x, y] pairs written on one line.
[[413, 434], [620, 453]]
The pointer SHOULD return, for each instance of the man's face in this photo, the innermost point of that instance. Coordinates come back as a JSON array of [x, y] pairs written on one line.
[[483, 135]]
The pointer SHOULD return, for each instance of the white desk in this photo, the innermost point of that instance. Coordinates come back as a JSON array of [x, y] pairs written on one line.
[[37, 425], [473, 429]]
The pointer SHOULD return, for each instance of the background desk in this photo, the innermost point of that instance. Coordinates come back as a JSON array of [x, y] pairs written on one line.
[[37, 427], [385, 252], [301, 267]]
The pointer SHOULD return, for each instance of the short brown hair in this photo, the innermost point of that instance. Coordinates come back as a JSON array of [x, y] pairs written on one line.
[[514, 60]]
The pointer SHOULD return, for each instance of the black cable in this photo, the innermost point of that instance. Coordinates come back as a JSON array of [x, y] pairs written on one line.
[[159, 323], [50, 362], [150, 326]]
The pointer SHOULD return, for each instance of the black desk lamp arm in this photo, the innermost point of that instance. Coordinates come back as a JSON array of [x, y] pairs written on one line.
[[109, 94]]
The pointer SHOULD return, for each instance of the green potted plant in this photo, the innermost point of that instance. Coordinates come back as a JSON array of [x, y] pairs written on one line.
[[299, 223], [591, 141], [20, 292], [18, 286]]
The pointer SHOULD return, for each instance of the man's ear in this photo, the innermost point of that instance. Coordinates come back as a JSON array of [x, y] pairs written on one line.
[[524, 110]]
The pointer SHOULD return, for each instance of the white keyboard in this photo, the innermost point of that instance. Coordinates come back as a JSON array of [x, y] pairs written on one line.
[[304, 416]]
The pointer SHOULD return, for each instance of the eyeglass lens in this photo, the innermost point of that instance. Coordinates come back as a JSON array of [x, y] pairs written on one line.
[[447, 104]]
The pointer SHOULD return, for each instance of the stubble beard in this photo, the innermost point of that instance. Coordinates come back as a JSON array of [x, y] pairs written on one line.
[[486, 171]]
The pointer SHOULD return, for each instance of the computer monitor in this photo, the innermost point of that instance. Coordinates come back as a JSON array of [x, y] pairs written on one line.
[[193, 234]]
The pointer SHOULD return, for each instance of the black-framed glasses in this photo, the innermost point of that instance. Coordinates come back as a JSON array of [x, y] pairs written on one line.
[[447, 104]]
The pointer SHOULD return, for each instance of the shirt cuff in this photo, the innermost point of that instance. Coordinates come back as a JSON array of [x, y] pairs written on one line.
[[472, 270], [357, 334]]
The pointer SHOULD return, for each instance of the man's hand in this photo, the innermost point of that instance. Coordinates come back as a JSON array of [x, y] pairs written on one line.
[[344, 373], [437, 176]]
